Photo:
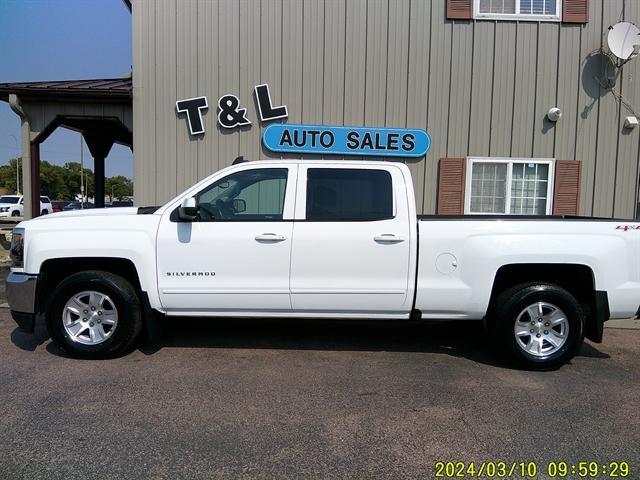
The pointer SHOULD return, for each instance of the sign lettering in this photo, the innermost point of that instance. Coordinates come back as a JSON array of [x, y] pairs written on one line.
[[323, 140], [193, 107], [230, 114], [266, 110]]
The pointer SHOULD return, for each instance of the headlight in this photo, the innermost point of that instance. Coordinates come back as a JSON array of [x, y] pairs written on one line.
[[17, 248], [4, 209]]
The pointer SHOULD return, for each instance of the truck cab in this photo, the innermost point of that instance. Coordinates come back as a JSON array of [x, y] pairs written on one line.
[[297, 230]]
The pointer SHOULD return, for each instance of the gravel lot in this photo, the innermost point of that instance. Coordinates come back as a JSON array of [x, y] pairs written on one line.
[[307, 399]]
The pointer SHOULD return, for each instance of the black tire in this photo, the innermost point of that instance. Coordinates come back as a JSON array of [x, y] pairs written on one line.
[[508, 306], [125, 300], [15, 213], [43, 212]]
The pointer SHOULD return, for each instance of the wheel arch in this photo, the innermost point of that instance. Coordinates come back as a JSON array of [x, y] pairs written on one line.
[[577, 279], [53, 271]]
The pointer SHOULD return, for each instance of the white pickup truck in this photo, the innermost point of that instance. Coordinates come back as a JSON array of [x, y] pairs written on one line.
[[322, 239]]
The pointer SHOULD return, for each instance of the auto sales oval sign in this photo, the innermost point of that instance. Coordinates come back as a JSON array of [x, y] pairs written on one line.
[[329, 140]]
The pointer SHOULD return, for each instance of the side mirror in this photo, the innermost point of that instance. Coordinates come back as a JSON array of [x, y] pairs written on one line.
[[239, 205], [187, 211]]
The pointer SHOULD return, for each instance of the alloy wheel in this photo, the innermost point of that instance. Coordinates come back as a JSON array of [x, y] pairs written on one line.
[[90, 317]]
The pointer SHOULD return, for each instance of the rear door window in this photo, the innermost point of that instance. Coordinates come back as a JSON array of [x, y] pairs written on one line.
[[342, 194]]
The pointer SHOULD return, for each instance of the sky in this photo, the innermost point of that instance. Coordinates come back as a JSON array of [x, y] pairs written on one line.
[[62, 40]]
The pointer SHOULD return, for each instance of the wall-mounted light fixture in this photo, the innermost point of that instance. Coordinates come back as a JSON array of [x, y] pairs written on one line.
[[630, 122], [554, 114]]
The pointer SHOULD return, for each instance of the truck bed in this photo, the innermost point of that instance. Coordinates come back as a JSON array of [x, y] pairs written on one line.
[[460, 257]]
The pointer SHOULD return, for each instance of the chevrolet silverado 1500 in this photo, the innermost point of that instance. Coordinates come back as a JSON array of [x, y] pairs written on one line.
[[322, 239]]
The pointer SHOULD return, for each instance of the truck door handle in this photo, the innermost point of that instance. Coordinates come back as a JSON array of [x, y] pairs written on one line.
[[388, 238], [270, 237]]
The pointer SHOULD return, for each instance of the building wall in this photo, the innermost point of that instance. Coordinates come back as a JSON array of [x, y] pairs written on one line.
[[480, 88]]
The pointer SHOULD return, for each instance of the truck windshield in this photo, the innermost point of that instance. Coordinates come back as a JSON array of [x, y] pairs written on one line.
[[6, 199]]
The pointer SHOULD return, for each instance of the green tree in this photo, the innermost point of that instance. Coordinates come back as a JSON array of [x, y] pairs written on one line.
[[8, 175], [63, 182], [118, 187], [72, 179], [53, 182]]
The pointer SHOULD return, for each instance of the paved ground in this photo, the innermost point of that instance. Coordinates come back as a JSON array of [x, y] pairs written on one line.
[[306, 399]]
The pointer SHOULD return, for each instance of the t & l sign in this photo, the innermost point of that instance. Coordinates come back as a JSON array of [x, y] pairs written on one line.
[[230, 113], [314, 139]]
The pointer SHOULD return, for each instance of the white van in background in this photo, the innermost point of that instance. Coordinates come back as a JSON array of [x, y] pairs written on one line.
[[13, 206]]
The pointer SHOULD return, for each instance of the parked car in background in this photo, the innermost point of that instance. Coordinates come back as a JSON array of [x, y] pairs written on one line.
[[77, 206], [120, 203], [58, 205], [13, 206]]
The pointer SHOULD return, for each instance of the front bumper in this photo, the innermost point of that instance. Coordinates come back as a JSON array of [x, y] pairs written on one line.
[[21, 295]]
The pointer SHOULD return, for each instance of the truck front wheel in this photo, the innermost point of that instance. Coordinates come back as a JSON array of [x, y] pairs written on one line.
[[94, 314], [539, 326]]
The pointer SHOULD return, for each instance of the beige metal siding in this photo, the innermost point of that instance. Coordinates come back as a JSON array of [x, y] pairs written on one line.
[[418, 86], [503, 88], [569, 69], [252, 39], [546, 77], [479, 88], [438, 98], [481, 80], [186, 86], [626, 170], [460, 105], [207, 78], [524, 90], [608, 122], [588, 106]]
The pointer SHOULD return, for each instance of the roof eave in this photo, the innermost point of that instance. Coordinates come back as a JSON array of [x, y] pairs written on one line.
[[57, 93]]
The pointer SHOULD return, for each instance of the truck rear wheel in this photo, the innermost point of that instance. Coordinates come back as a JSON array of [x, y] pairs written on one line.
[[539, 326], [94, 314]]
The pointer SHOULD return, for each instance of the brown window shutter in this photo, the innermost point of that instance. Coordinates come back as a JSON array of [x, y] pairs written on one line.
[[566, 194], [575, 11], [451, 180], [460, 9]]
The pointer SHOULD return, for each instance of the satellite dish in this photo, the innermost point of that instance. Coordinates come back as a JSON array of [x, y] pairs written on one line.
[[624, 40]]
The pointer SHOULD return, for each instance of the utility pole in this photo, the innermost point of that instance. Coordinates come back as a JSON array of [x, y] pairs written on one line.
[[81, 172]]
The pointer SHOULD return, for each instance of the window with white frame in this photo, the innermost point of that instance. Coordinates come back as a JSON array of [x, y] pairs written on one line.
[[510, 186], [535, 10]]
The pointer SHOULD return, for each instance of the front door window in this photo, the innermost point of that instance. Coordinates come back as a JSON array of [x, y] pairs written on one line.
[[250, 195]]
